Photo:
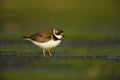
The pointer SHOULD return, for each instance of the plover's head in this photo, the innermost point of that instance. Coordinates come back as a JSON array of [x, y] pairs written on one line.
[[58, 33]]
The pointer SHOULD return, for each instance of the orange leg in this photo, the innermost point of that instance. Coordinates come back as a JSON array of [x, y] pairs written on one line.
[[49, 52], [44, 52]]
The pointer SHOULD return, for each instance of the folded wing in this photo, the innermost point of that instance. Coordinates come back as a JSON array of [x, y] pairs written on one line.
[[42, 36]]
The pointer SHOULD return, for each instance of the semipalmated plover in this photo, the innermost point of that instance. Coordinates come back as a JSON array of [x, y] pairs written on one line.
[[46, 39]]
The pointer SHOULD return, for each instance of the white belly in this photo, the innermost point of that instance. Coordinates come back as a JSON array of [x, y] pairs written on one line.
[[47, 45]]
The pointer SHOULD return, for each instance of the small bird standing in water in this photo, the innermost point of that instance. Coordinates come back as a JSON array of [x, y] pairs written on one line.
[[46, 39]]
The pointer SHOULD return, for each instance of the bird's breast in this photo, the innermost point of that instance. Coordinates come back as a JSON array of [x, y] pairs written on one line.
[[49, 44]]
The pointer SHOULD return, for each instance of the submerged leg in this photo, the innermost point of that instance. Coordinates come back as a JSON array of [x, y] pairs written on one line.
[[44, 52], [49, 52]]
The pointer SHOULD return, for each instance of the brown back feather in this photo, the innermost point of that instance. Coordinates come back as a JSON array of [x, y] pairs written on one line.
[[42, 36]]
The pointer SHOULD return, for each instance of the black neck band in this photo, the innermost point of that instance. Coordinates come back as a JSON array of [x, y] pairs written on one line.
[[54, 37]]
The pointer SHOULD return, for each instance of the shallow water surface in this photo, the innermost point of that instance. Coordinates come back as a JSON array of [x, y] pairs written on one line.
[[71, 60]]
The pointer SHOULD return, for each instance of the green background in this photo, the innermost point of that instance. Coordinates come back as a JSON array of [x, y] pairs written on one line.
[[91, 27], [94, 20]]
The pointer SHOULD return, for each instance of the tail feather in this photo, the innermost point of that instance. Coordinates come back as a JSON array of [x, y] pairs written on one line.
[[26, 37]]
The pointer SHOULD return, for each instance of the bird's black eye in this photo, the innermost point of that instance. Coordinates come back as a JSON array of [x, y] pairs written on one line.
[[60, 31]]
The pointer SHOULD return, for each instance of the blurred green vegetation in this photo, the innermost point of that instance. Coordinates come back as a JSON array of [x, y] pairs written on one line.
[[80, 19], [65, 70]]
